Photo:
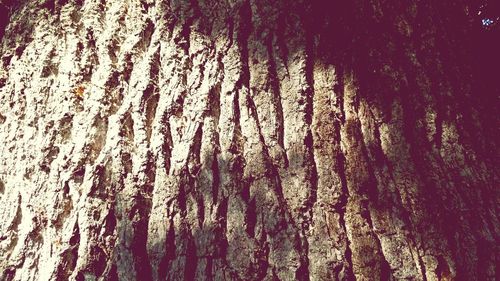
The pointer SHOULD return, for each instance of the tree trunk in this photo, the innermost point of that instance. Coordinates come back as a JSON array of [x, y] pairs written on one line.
[[245, 140]]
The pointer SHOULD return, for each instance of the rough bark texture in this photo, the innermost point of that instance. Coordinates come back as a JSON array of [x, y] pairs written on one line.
[[245, 140]]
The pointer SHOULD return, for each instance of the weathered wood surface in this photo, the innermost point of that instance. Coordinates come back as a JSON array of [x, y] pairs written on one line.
[[243, 140]]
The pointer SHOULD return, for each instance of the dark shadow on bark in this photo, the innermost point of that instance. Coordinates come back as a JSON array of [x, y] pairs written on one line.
[[419, 55]]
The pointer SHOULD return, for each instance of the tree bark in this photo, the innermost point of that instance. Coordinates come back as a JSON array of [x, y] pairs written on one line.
[[245, 140]]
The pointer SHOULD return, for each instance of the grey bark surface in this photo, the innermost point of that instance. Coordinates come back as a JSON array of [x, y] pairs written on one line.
[[243, 140]]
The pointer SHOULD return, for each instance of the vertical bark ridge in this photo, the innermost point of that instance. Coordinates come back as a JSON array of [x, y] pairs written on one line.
[[327, 238], [361, 185]]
